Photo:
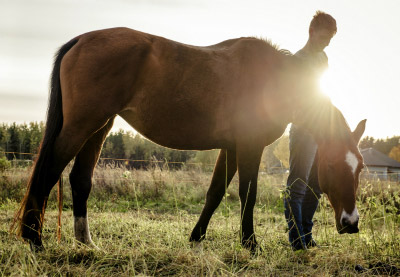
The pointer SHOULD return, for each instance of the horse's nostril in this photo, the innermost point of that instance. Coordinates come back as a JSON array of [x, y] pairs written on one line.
[[345, 221], [351, 229], [348, 227]]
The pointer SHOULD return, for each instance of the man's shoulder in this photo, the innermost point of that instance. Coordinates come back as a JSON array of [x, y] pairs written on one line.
[[315, 59], [324, 55], [301, 53], [306, 54]]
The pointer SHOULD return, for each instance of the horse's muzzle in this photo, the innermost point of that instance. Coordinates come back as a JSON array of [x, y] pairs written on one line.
[[347, 227]]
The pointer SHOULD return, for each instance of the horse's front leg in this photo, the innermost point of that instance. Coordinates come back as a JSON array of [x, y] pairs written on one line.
[[248, 159], [224, 171]]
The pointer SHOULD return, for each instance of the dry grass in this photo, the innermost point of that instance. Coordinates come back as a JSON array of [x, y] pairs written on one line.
[[141, 220]]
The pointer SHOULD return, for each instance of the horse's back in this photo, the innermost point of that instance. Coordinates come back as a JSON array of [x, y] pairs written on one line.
[[177, 95]]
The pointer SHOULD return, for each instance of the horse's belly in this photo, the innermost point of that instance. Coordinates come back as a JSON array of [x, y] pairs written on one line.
[[183, 133]]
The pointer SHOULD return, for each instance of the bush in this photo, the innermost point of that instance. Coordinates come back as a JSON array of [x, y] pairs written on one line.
[[4, 164]]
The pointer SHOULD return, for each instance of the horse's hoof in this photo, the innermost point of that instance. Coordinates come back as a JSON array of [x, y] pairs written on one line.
[[34, 241], [89, 244], [93, 246], [196, 237], [252, 246], [36, 247]]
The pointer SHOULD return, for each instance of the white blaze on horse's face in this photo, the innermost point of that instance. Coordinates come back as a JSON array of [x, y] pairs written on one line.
[[349, 219], [352, 161], [339, 168], [338, 175]]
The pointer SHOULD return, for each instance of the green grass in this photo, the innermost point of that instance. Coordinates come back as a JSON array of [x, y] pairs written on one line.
[[141, 221]]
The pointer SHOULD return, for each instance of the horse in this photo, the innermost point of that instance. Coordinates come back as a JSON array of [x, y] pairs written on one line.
[[237, 96]]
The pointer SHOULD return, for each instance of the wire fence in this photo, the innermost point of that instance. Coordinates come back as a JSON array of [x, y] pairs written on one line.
[[366, 174], [17, 158]]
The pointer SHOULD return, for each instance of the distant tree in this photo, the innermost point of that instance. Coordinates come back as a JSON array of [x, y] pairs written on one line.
[[281, 151], [268, 159], [178, 156], [24, 141], [367, 142], [21, 138], [107, 150], [382, 145], [140, 151], [129, 142], [5, 137], [26, 138], [4, 163], [395, 153], [207, 159], [14, 141], [385, 145], [36, 132], [117, 141], [3, 134]]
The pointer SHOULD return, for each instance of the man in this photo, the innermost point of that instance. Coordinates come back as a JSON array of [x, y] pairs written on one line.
[[303, 190]]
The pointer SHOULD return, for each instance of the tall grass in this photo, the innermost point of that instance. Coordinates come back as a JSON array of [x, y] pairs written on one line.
[[141, 220]]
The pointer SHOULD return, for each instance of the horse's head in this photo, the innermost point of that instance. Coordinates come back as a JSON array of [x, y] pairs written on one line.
[[340, 164]]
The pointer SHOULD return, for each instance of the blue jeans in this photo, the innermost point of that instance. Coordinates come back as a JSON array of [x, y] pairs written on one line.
[[303, 190]]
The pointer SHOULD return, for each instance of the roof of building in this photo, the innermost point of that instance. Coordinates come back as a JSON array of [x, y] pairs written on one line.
[[373, 157]]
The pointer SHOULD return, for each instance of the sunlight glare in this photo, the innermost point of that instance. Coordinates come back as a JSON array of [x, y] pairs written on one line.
[[346, 91], [328, 84], [339, 86]]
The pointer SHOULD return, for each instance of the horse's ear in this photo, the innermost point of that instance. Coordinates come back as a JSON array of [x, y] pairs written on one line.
[[359, 131]]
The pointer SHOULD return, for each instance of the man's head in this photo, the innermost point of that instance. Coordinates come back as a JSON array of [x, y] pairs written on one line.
[[322, 29]]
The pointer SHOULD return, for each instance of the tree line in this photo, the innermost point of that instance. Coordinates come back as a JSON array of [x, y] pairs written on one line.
[[388, 146], [22, 141]]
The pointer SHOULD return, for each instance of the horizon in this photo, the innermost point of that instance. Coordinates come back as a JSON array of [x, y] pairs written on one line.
[[134, 132], [361, 80]]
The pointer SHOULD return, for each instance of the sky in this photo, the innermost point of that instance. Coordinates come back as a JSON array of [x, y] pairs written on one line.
[[362, 79]]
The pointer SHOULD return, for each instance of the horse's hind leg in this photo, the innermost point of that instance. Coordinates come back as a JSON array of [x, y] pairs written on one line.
[[224, 171], [67, 144], [81, 182]]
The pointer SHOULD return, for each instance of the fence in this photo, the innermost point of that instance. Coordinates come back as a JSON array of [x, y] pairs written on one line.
[[22, 162], [365, 174]]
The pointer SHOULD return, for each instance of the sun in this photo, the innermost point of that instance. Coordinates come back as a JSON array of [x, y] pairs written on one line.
[[331, 84], [340, 86]]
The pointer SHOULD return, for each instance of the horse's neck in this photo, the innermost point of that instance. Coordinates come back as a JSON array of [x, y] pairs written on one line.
[[323, 120]]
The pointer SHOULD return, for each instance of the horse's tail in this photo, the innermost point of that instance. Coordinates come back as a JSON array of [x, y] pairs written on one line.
[[54, 122]]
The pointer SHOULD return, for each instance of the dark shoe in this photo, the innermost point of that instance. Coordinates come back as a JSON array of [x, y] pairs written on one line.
[[298, 246], [311, 243]]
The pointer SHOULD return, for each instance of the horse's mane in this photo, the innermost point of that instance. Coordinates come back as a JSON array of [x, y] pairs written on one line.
[[274, 45]]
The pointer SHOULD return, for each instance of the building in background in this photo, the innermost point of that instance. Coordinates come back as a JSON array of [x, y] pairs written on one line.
[[379, 166]]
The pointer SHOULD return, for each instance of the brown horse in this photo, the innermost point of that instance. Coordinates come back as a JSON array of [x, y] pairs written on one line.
[[237, 96]]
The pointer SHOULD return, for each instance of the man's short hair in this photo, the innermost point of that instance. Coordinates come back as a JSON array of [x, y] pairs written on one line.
[[323, 20]]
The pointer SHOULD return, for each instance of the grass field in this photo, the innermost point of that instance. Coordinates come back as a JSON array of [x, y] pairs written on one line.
[[141, 221]]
